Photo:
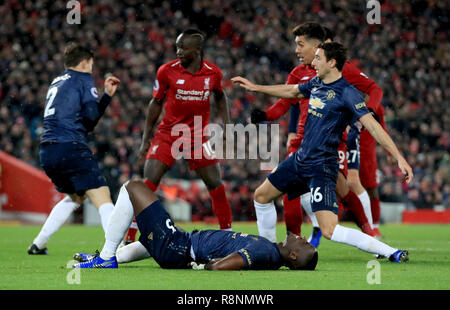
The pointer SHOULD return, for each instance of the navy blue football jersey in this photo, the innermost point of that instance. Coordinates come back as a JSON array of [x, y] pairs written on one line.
[[72, 108], [257, 251], [331, 108]]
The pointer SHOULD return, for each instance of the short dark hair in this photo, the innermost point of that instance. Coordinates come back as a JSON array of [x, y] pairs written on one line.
[[309, 265], [310, 30], [329, 34], [336, 51], [75, 53], [195, 33]]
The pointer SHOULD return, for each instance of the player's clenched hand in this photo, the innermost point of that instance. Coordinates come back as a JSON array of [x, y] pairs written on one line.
[[244, 83], [111, 84], [406, 170]]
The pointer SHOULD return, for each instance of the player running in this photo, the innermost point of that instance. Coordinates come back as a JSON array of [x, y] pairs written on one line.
[[72, 110], [174, 248], [334, 104]]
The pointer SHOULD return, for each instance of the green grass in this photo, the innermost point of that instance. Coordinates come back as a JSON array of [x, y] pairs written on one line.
[[340, 267]]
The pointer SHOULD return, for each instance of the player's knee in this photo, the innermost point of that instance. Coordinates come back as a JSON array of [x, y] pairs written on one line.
[[132, 186], [260, 196], [354, 185]]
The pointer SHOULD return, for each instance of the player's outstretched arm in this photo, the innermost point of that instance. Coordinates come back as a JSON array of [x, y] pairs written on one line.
[[232, 262], [280, 91], [383, 138]]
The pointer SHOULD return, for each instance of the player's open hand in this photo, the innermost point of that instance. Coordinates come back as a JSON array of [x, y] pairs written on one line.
[[244, 83], [406, 170], [111, 84]]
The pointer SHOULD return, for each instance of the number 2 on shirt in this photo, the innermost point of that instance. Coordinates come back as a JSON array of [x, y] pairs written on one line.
[[51, 94]]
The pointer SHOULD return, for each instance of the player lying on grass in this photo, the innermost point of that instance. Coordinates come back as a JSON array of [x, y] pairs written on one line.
[[333, 105], [173, 248]]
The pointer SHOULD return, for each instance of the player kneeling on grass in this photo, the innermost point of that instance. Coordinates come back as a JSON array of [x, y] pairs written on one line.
[[174, 248]]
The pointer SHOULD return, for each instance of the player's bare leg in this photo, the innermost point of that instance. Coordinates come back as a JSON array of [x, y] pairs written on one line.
[[221, 207], [266, 214], [101, 199], [154, 170], [331, 230]]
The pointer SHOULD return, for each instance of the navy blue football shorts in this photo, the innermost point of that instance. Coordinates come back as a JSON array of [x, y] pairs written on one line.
[[353, 150], [295, 180], [71, 166], [169, 246]]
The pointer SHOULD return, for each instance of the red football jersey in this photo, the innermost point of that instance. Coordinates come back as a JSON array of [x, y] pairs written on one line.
[[186, 95], [300, 74]]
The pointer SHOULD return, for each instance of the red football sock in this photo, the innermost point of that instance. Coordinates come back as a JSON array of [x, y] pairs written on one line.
[[131, 234], [340, 210], [221, 207], [354, 205], [293, 215], [151, 185], [375, 207]]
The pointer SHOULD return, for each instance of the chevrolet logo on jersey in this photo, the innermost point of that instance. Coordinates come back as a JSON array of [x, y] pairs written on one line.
[[316, 103]]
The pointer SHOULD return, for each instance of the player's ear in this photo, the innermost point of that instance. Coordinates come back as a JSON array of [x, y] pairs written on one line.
[[332, 62], [292, 255]]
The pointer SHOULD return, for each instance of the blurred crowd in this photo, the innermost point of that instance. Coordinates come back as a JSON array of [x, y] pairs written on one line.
[[407, 55]]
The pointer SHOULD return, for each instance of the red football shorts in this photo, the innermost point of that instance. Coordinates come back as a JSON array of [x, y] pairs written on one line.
[[342, 153], [161, 149]]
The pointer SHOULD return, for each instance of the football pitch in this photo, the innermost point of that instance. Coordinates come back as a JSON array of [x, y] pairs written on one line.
[[340, 267]]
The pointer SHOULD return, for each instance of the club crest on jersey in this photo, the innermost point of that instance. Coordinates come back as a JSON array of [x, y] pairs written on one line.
[[94, 92], [154, 149], [331, 94], [206, 83]]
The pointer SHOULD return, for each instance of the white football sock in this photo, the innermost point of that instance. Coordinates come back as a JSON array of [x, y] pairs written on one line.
[[365, 201], [306, 204], [105, 212], [266, 219], [132, 252], [360, 240], [119, 222], [59, 215]]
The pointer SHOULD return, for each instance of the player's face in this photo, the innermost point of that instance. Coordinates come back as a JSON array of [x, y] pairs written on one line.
[[187, 49], [305, 49], [320, 64]]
